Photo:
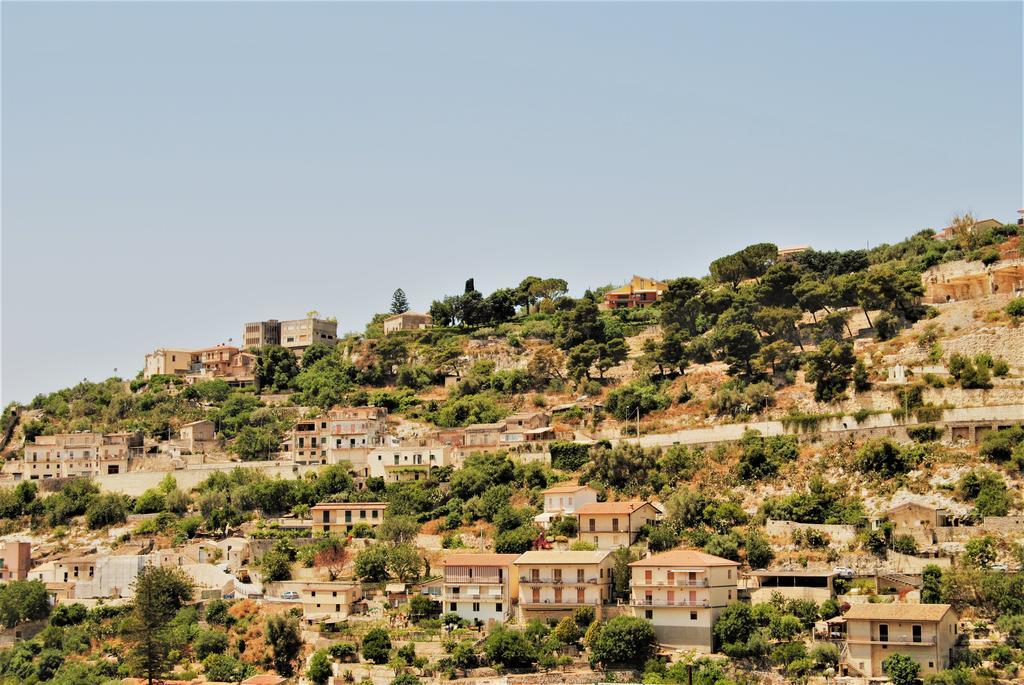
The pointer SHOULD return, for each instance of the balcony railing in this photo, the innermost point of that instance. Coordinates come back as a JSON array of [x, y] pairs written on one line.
[[567, 601], [477, 580], [903, 640], [700, 582], [530, 580], [644, 602]]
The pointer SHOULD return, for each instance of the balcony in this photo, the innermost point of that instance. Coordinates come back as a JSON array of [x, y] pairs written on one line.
[[476, 580], [530, 580], [899, 640], [552, 604], [700, 582], [693, 604]]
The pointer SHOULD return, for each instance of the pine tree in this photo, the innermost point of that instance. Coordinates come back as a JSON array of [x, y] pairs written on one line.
[[399, 303]]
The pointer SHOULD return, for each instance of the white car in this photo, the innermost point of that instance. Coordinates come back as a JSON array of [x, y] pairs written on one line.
[[290, 594], [843, 571]]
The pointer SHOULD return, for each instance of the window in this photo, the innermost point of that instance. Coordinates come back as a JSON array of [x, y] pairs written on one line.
[[883, 632], [476, 606], [453, 606], [648, 614], [497, 607], [375, 513], [693, 615], [931, 664]]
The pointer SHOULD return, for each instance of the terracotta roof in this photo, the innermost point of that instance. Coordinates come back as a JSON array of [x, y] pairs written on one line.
[[484, 426], [567, 558], [897, 612], [351, 505], [571, 487], [611, 507], [265, 679], [480, 560], [684, 557]]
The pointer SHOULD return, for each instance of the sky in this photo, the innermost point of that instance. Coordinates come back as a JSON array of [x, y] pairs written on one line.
[[173, 170]]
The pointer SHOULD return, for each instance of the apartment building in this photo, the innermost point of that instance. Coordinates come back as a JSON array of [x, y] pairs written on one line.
[[563, 500], [261, 333], [682, 592], [527, 427], [15, 559], [325, 440], [99, 575], [401, 463], [79, 454], [483, 434], [611, 525], [927, 633], [480, 587], [169, 362], [639, 292], [298, 334], [341, 517], [407, 321], [552, 584], [328, 602]]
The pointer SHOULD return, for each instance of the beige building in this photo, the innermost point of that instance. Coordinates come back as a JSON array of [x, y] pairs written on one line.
[[397, 464], [15, 559], [813, 585], [552, 584], [79, 454], [328, 602], [480, 587], [927, 633], [681, 593], [198, 436], [337, 435], [298, 334], [407, 321], [483, 434], [563, 500], [962, 280], [169, 362], [342, 517], [261, 333], [639, 292], [611, 525]]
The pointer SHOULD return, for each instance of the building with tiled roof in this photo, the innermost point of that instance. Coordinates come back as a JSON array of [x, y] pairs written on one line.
[[480, 587], [554, 583], [611, 525], [927, 633]]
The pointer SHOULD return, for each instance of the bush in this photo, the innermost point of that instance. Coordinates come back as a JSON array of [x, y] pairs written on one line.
[[624, 640], [643, 396], [209, 642], [883, 458], [377, 646], [569, 456], [106, 510], [319, 671], [901, 669], [225, 668], [509, 648], [1016, 308], [887, 326]]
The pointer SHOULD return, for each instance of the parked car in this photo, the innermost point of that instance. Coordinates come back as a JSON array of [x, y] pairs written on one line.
[[1000, 567], [843, 571], [289, 594]]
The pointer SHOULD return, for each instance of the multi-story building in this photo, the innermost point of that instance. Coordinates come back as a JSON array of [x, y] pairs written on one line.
[[341, 517], [298, 334], [402, 463], [15, 559], [611, 525], [483, 434], [261, 334], [407, 321], [79, 454], [480, 587], [681, 593], [563, 500], [639, 292], [330, 438], [552, 584], [927, 633], [328, 602], [169, 362]]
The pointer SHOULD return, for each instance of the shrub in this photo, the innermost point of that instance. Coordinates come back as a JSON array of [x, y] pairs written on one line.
[[377, 646], [624, 640], [886, 326], [901, 669], [1015, 308], [569, 456]]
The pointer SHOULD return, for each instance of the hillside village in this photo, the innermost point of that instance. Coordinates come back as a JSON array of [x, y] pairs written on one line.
[[803, 466]]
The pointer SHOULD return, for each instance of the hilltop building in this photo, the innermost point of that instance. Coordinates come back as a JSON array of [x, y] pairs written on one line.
[[639, 292]]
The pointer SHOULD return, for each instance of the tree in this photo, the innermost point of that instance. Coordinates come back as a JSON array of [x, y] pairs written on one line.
[[225, 668], [106, 510], [159, 593], [931, 584], [371, 564], [399, 302], [737, 345], [567, 631], [319, 670], [624, 640], [276, 366], [275, 565], [735, 624], [830, 368], [208, 642], [509, 648], [980, 552], [404, 562], [398, 529], [759, 550], [332, 556], [255, 442], [22, 600], [285, 641], [377, 646], [901, 669]]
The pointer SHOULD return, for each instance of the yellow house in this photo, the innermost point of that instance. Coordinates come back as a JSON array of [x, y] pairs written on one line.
[[341, 517], [553, 584], [611, 525], [639, 292], [927, 633], [682, 592]]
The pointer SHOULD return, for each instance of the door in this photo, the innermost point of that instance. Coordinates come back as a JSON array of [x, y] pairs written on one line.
[[536, 595], [581, 596]]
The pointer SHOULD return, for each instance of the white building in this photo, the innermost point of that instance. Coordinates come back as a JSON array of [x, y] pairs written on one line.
[[397, 464], [563, 500], [480, 587]]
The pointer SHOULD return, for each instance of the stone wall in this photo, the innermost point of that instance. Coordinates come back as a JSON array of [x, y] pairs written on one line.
[[838, 534]]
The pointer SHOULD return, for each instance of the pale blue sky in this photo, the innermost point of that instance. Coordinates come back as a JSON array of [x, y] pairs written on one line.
[[173, 170]]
